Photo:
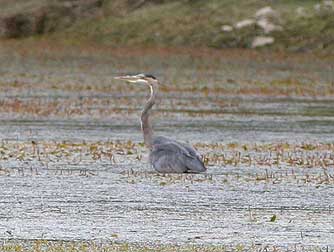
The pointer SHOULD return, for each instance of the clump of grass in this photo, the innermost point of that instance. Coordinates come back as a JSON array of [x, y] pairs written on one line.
[[110, 246], [304, 155], [95, 246], [273, 162]]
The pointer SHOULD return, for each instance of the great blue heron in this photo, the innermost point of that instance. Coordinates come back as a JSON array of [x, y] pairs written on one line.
[[165, 155]]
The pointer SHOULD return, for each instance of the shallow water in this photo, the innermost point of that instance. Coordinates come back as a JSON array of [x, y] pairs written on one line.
[[241, 120], [232, 212], [63, 193], [98, 199]]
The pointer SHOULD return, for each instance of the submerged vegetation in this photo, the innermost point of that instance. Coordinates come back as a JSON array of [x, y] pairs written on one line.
[[96, 246], [274, 163]]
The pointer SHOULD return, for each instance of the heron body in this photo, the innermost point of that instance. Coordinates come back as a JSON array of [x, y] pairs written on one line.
[[166, 155], [170, 156]]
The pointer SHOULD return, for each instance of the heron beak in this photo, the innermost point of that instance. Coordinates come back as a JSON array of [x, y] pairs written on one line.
[[130, 78], [127, 78]]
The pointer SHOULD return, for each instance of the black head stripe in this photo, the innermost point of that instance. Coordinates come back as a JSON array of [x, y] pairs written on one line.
[[150, 76]]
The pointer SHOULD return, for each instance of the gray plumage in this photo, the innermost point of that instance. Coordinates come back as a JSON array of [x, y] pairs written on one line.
[[170, 156], [166, 155]]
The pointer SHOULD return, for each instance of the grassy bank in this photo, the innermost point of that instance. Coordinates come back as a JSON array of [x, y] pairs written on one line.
[[302, 25], [199, 23]]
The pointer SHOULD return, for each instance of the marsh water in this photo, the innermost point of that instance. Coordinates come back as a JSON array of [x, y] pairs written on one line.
[[61, 193]]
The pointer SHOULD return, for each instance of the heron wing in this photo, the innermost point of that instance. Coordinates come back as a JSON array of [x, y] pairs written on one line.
[[171, 156]]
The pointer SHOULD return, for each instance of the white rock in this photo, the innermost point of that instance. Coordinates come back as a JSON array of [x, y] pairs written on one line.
[[244, 23], [317, 7], [328, 4], [227, 28], [266, 12], [262, 41], [267, 26], [300, 11]]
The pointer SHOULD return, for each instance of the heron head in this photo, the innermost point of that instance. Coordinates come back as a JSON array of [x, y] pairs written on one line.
[[138, 78]]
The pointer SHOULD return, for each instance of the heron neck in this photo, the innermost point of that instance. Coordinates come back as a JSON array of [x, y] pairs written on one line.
[[145, 120]]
